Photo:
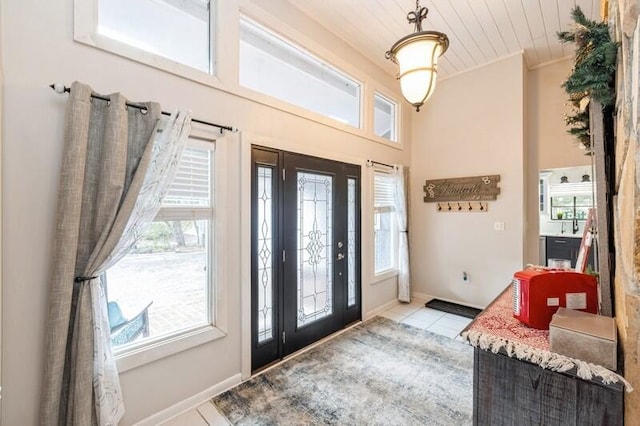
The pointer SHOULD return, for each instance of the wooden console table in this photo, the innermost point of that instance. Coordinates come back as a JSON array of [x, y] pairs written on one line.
[[518, 381]]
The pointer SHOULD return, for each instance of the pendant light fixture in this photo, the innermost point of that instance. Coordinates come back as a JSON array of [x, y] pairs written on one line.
[[417, 57]]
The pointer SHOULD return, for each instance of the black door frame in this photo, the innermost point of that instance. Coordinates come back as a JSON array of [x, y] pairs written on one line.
[[271, 350]]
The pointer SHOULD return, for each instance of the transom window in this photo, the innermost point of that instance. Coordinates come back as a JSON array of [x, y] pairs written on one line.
[[182, 37], [384, 118], [178, 30], [163, 287], [277, 67]]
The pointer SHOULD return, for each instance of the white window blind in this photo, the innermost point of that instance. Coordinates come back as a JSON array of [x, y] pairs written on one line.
[[383, 192], [191, 186]]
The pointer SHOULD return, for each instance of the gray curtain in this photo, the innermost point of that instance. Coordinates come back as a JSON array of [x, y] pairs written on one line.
[[105, 192]]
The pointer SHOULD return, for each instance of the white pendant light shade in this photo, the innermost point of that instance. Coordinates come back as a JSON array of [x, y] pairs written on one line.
[[418, 61], [417, 57]]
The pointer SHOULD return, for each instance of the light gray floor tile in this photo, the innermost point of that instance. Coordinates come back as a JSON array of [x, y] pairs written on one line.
[[190, 418], [211, 415], [395, 316]]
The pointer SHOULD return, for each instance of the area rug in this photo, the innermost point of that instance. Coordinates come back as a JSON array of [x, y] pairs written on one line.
[[378, 373]]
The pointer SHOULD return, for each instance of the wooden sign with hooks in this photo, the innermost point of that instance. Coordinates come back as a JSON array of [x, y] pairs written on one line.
[[463, 206], [467, 189]]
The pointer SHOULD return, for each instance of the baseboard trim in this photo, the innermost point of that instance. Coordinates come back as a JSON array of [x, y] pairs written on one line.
[[191, 402], [380, 309], [423, 297]]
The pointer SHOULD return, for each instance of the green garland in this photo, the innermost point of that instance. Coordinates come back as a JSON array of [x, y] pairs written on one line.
[[593, 74]]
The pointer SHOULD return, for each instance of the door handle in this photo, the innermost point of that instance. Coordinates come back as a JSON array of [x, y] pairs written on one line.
[[340, 256]]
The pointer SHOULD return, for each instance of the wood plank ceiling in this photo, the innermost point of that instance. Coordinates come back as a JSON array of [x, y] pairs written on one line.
[[479, 31]]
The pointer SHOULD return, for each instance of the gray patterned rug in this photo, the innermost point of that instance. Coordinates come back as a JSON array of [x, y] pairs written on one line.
[[378, 373]]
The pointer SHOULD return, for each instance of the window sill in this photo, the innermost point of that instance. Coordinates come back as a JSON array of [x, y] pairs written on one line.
[[384, 275], [136, 356], [392, 144]]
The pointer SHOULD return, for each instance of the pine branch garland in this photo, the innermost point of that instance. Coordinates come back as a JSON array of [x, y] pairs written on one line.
[[593, 74]]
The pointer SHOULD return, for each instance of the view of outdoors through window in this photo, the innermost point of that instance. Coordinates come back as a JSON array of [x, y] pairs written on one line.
[[168, 270], [161, 286]]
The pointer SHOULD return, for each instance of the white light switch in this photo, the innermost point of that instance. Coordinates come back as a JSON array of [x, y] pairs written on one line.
[[498, 226]]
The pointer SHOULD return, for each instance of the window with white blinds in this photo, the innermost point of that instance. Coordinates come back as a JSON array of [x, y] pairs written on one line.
[[165, 282], [385, 227]]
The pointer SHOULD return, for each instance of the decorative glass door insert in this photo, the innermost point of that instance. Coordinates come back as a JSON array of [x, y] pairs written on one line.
[[351, 241], [315, 247], [265, 253]]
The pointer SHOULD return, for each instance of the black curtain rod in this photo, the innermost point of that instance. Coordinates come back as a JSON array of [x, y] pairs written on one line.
[[143, 107], [381, 164]]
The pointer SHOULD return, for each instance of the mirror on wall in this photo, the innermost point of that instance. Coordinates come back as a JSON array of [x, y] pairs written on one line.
[[565, 197]]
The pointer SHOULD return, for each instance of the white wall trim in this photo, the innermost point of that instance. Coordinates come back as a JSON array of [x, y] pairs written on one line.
[[245, 254], [555, 61], [380, 309], [191, 402], [500, 59], [423, 297]]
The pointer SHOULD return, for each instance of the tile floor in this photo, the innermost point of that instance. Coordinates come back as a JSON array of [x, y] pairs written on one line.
[[414, 314], [417, 315], [204, 415]]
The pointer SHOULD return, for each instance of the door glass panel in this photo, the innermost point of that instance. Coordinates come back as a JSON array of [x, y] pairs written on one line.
[[315, 247], [265, 254], [351, 242]]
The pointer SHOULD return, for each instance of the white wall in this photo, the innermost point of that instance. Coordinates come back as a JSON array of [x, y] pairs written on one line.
[[548, 104], [473, 125], [38, 50]]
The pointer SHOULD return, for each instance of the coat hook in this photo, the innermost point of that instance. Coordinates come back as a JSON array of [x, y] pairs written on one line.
[[459, 207], [470, 208], [439, 207], [481, 207], [449, 204]]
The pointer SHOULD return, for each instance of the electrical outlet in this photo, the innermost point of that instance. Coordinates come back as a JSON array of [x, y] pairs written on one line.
[[498, 226]]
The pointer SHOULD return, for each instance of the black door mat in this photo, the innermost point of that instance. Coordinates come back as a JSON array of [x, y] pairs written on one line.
[[453, 308]]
